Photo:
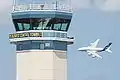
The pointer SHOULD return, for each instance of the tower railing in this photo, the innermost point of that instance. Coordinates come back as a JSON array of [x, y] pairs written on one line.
[[37, 7]]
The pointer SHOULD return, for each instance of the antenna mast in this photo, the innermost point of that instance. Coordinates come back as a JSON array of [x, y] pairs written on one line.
[[56, 4]]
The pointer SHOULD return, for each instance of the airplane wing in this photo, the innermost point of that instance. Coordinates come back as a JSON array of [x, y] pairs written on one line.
[[93, 45], [96, 55]]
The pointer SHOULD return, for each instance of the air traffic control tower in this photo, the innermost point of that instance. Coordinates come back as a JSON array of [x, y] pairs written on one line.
[[41, 40]]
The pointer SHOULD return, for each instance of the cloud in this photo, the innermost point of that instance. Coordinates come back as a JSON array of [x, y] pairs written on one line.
[[80, 4], [105, 5], [111, 5]]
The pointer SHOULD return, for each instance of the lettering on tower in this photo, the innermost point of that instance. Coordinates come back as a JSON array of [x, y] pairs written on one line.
[[27, 34]]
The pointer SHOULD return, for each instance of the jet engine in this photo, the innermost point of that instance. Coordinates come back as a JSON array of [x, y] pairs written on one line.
[[93, 56], [89, 54]]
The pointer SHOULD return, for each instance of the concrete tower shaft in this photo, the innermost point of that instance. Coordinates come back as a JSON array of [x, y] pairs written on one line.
[[42, 65], [41, 42]]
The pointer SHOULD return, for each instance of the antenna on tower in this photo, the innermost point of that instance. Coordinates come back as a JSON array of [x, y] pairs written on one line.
[[14, 3], [56, 4]]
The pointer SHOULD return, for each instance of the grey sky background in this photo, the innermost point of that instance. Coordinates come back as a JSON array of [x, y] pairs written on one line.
[[91, 20]]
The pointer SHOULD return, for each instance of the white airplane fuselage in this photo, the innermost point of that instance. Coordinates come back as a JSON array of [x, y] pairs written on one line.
[[90, 49]]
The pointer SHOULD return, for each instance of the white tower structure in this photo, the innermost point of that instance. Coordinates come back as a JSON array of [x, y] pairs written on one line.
[[41, 41]]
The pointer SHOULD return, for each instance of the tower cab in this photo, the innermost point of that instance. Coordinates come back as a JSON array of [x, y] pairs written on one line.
[[40, 26]]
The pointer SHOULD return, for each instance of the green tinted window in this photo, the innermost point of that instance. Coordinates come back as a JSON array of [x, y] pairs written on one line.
[[64, 26], [20, 26], [44, 23], [26, 26], [57, 26], [41, 24]]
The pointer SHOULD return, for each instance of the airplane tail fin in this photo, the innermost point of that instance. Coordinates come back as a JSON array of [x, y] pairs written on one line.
[[107, 48]]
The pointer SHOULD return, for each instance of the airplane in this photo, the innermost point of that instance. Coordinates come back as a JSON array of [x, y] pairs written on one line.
[[93, 50]]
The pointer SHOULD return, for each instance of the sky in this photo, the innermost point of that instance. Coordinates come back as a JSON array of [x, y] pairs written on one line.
[[92, 19]]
